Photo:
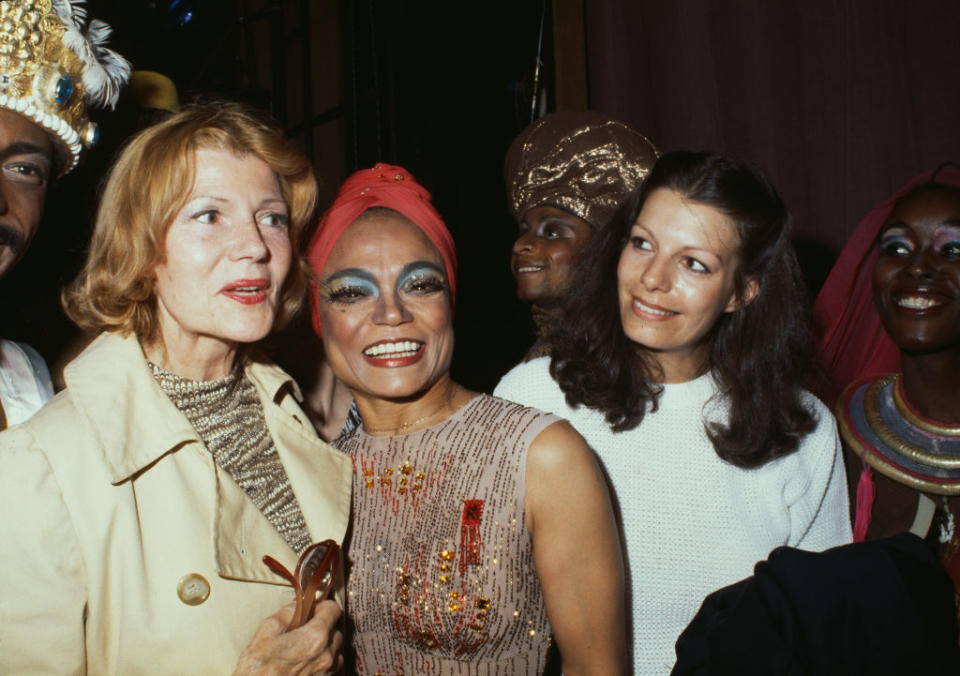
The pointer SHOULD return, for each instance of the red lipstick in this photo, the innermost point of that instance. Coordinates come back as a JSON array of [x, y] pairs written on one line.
[[394, 352], [247, 291]]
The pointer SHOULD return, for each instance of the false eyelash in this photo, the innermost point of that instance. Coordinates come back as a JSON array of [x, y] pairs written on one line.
[[345, 294], [889, 245], [424, 285]]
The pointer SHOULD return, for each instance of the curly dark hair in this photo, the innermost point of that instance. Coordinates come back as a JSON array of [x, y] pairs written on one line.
[[760, 354]]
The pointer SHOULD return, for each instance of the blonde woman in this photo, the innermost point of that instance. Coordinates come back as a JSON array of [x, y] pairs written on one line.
[[139, 503]]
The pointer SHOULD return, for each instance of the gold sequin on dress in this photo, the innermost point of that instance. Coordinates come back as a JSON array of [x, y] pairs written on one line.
[[441, 570]]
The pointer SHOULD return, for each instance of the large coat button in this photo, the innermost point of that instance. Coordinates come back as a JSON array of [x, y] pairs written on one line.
[[193, 589]]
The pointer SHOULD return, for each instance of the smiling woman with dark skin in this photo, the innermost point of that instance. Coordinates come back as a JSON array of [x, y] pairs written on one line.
[[567, 173], [482, 530], [545, 252], [916, 286], [901, 431]]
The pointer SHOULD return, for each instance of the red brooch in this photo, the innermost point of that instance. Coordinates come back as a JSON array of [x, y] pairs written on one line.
[[470, 534]]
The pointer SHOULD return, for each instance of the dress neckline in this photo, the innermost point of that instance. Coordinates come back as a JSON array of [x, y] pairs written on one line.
[[360, 429]]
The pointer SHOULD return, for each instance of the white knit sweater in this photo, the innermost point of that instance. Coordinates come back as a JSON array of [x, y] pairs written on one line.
[[693, 523]]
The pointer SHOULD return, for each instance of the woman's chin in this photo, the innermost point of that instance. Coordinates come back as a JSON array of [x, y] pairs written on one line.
[[545, 301], [399, 390], [247, 332]]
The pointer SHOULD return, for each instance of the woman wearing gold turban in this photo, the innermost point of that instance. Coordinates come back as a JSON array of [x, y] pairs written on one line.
[[566, 174]]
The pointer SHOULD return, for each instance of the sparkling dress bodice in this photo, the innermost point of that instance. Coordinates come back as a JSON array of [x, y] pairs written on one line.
[[441, 569]]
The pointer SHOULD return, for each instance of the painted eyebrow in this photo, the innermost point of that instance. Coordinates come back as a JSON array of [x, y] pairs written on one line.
[[25, 148], [897, 225], [556, 218], [350, 272], [416, 265]]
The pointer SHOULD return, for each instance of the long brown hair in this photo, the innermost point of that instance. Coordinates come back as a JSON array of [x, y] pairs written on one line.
[[759, 354]]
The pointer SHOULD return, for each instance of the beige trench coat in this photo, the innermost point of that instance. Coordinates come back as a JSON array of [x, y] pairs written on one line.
[[123, 548]]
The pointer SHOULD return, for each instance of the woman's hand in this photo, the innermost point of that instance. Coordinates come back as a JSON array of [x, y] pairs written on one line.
[[576, 548], [313, 648]]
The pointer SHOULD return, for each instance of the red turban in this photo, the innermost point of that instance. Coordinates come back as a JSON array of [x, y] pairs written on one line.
[[383, 185]]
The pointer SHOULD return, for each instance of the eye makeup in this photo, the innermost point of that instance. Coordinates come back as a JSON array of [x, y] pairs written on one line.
[[348, 286], [947, 240], [895, 241], [422, 277], [554, 228]]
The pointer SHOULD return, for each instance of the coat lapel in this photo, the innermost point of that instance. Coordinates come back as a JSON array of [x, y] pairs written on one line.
[[319, 475], [128, 414], [136, 425], [243, 535]]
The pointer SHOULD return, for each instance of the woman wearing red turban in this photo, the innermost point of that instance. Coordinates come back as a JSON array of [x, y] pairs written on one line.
[[481, 528]]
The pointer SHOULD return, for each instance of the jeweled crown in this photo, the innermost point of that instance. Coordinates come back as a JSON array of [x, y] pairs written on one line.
[[54, 67]]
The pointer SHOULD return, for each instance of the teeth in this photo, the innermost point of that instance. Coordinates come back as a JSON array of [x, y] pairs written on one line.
[[403, 348], [917, 302], [530, 268], [647, 308]]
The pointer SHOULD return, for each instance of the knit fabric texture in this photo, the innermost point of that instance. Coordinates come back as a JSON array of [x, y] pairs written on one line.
[[693, 523], [228, 416]]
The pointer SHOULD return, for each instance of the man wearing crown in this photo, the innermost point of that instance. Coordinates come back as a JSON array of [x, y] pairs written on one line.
[[53, 68]]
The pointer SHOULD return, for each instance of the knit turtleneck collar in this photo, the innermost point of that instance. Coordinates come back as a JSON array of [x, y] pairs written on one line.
[[192, 392], [228, 416]]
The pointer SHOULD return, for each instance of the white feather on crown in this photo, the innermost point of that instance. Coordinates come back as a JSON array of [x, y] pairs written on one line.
[[106, 71], [54, 65]]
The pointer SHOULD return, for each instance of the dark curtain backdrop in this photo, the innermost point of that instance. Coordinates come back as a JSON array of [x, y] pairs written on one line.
[[443, 93], [841, 102]]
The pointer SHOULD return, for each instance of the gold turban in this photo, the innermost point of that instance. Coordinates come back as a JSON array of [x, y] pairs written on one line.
[[582, 162]]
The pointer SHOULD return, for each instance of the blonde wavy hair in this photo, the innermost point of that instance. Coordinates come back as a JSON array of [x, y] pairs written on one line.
[[148, 185]]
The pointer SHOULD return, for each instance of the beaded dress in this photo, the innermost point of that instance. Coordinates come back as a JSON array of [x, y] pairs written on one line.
[[442, 577]]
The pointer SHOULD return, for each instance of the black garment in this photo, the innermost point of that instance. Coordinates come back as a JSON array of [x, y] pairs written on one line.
[[879, 607]]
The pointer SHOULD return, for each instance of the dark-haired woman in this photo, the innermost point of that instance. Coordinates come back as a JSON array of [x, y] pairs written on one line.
[[482, 531], [900, 416], [681, 358], [566, 174]]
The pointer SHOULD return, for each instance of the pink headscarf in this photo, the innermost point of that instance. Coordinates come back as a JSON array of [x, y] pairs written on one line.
[[853, 343], [382, 185]]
